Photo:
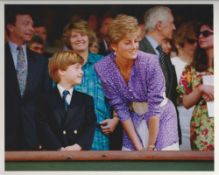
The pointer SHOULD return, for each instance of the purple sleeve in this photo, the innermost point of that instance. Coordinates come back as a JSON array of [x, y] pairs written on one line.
[[156, 87], [110, 91]]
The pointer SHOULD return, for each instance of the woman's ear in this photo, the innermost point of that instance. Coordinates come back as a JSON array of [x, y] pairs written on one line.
[[113, 46]]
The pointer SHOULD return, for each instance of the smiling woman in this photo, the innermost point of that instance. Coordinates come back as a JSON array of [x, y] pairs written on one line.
[[131, 77], [77, 36]]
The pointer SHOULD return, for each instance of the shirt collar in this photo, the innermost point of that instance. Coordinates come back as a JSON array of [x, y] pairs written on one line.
[[153, 43], [13, 47], [61, 89]]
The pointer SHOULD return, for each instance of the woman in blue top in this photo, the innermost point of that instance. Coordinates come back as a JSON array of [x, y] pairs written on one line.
[[76, 37]]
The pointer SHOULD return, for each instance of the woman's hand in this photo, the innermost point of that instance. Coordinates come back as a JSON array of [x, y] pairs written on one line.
[[109, 125], [208, 92], [131, 132]]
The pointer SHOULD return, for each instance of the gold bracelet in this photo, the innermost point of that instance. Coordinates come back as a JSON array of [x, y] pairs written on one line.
[[151, 146]]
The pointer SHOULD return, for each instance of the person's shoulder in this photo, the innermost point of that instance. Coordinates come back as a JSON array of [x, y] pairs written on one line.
[[48, 95], [104, 62], [147, 62], [147, 57], [36, 56], [82, 96], [95, 57]]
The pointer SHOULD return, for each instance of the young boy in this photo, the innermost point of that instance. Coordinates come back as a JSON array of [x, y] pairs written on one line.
[[66, 117]]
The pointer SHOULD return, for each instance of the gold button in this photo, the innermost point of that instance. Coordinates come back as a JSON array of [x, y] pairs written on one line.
[[75, 131], [40, 146], [64, 132]]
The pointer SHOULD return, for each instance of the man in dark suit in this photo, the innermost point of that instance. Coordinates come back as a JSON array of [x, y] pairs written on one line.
[[159, 25], [104, 45], [26, 76], [66, 119]]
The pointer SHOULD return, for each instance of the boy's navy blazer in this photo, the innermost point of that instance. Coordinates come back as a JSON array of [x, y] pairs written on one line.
[[20, 129], [58, 128]]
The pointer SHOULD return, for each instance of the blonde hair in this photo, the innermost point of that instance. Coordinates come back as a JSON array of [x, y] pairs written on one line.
[[80, 26], [60, 61], [121, 26]]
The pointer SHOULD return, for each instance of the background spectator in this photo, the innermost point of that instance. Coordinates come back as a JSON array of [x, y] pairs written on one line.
[[159, 25], [26, 77], [104, 44], [195, 93], [36, 44], [185, 40]]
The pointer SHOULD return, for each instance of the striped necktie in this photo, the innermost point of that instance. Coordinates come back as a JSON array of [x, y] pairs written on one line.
[[21, 70], [163, 64], [65, 93], [162, 55]]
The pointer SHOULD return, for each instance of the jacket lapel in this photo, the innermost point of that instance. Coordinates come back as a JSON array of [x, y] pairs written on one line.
[[73, 107], [10, 71], [32, 71], [147, 46], [58, 106]]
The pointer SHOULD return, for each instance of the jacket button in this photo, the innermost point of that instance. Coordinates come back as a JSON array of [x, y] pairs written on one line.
[[64, 132], [40, 147], [75, 131]]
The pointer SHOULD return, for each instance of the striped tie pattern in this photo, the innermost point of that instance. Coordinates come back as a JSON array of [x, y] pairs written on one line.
[[21, 70], [163, 64], [65, 93], [162, 55]]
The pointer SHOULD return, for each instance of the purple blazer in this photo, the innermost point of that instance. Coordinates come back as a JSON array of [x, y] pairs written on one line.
[[146, 84]]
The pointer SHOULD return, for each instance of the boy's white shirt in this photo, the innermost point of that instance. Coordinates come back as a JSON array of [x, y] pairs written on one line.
[[68, 97]]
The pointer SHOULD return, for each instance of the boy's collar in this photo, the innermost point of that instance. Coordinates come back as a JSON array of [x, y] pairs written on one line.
[[61, 89]]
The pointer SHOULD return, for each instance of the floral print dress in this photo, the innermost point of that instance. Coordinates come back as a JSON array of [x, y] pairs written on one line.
[[201, 125]]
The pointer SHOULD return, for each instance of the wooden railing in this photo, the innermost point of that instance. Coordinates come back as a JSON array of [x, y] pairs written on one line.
[[106, 155]]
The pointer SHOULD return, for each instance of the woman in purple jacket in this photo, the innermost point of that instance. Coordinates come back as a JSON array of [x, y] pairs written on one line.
[[134, 84]]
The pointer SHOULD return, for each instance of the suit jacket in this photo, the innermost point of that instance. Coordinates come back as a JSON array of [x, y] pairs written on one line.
[[58, 128], [171, 80], [103, 51], [20, 112]]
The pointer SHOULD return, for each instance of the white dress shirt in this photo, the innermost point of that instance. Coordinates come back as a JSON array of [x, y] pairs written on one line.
[[14, 52], [69, 96]]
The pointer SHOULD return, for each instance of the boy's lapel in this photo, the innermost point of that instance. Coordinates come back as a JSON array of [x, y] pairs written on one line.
[[59, 106], [74, 107]]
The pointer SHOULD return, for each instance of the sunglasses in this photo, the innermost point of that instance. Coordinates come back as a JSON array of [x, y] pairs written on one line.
[[191, 40], [206, 33]]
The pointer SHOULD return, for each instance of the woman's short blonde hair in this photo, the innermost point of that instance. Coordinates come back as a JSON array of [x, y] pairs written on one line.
[[80, 26], [121, 26], [60, 61]]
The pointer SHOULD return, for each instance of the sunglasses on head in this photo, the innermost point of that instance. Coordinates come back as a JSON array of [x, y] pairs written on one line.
[[206, 33], [191, 40]]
